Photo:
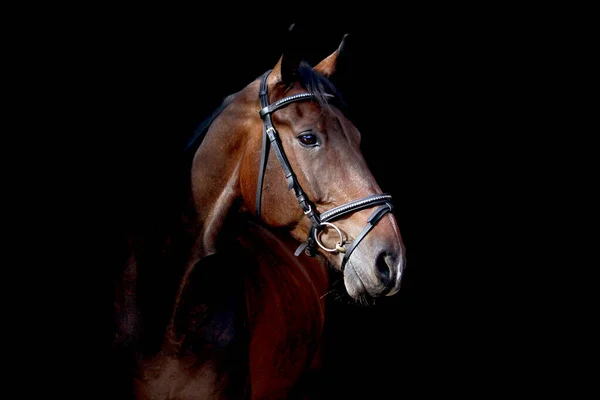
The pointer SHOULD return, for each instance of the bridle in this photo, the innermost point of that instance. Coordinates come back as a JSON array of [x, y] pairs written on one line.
[[318, 221]]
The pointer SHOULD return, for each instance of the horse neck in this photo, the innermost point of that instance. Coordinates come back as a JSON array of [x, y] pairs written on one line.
[[215, 186], [216, 169]]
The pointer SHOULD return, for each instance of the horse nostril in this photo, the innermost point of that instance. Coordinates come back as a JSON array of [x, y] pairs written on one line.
[[383, 269]]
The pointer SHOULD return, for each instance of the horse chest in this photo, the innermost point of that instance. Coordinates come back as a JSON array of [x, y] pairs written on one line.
[[286, 316]]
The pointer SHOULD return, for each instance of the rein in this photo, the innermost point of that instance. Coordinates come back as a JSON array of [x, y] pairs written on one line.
[[318, 220]]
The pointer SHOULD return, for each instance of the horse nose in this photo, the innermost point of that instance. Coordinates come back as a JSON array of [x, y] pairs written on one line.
[[383, 270], [388, 270]]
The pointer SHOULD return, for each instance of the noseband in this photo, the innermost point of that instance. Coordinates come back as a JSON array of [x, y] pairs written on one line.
[[318, 221]]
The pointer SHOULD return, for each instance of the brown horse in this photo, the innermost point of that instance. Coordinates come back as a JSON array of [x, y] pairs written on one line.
[[277, 168]]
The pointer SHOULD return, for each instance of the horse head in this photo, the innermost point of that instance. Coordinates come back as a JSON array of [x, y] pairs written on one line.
[[284, 152]]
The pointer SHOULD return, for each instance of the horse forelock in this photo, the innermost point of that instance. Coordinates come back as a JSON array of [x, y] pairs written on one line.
[[323, 89]]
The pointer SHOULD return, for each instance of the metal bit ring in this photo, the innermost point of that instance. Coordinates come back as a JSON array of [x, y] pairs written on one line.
[[339, 245]]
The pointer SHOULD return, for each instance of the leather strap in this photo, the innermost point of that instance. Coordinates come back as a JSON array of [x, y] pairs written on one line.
[[373, 219], [355, 205], [264, 101], [271, 139]]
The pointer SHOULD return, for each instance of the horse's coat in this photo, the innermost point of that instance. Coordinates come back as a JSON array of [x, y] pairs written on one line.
[[237, 314]]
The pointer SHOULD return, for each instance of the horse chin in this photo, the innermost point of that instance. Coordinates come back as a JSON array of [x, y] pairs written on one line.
[[354, 285]]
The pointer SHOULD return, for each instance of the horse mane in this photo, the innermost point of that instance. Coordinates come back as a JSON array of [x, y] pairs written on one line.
[[196, 139], [325, 92]]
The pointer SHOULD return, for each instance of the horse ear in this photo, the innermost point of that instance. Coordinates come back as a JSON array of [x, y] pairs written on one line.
[[336, 63], [287, 66]]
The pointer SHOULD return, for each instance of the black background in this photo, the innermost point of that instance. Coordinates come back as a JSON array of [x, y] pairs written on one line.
[[439, 95]]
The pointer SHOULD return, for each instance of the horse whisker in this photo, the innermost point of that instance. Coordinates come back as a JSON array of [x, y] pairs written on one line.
[[326, 293]]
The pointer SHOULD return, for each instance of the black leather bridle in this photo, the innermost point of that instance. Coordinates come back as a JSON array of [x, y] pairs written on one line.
[[318, 221]]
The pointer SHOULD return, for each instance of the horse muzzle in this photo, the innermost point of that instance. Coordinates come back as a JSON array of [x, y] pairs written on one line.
[[375, 277]]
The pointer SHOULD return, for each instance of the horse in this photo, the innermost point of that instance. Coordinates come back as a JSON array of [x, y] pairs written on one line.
[[277, 195]]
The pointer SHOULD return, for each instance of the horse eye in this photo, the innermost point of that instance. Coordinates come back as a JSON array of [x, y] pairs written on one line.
[[308, 139]]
